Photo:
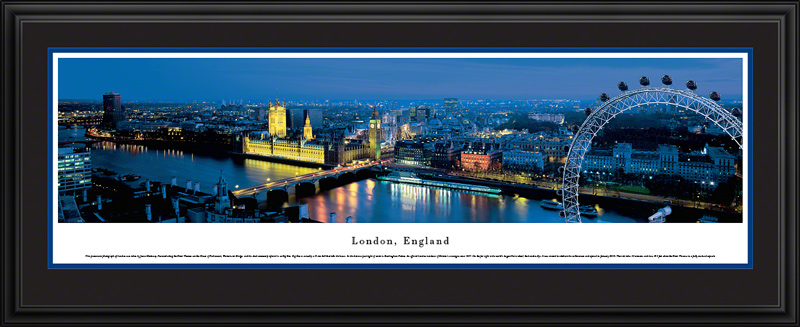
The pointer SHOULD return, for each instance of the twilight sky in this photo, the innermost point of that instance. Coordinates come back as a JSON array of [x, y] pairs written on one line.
[[383, 79]]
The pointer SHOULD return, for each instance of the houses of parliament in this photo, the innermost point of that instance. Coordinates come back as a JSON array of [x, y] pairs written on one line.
[[331, 148]]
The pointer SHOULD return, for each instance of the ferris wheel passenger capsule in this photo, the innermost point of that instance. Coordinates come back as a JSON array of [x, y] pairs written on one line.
[[644, 81], [690, 84], [666, 80], [622, 86], [604, 97], [588, 111], [715, 96]]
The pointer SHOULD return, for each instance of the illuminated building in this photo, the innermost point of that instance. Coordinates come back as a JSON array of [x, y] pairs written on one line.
[[277, 119], [445, 155], [450, 106], [550, 144], [553, 118], [420, 113], [481, 157], [74, 170], [341, 151], [294, 149], [330, 149], [413, 129], [519, 160], [707, 168], [142, 126], [424, 112], [375, 135], [307, 134], [413, 153], [113, 112]]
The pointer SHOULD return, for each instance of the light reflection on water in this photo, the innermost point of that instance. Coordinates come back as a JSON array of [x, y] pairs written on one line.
[[162, 165], [367, 200], [389, 202]]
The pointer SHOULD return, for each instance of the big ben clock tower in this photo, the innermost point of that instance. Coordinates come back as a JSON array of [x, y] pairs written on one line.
[[375, 135]]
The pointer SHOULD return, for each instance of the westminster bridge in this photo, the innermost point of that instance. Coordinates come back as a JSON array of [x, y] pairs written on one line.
[[310, 183]]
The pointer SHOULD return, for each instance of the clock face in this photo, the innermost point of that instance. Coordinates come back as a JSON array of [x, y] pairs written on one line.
[[371, 125]]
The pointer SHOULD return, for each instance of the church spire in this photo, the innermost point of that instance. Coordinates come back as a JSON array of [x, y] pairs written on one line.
[[221, 179], [222, 201]]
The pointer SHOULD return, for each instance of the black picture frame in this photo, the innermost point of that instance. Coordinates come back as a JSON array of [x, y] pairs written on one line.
[[764, 295]]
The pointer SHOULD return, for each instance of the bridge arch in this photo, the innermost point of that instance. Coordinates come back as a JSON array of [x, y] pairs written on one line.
[[328, 182], [276, 197], [363, 173], [305, 188], [627, 100]]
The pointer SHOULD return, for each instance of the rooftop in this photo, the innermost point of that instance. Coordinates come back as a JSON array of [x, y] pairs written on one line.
[[718, 152]]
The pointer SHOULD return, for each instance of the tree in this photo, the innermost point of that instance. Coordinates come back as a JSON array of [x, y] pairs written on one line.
[[535, 170], [664, 185], [495, 166], [727, 192], [521, 121], [619, 174]]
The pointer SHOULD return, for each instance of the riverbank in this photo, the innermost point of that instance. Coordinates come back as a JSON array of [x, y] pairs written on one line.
[[214, 149], [641, 209]]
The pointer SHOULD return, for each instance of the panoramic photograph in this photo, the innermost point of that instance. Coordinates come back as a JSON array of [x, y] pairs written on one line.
[[400, 140]]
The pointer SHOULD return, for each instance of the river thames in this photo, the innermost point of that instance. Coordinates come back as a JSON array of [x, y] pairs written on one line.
[[367, 201]]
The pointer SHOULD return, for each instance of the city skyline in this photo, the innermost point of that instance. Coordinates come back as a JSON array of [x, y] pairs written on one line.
[[478, 139], [213, 79]]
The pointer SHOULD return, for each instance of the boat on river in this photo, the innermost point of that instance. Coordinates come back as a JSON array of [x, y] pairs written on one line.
[[708, 219], [588, 211], [552, 205], [402, 177]]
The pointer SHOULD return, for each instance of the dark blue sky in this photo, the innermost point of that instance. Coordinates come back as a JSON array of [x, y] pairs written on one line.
[[383, 79]]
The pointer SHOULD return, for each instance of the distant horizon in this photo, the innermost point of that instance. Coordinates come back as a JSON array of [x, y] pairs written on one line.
[[362, 100], [100, 99], [319, 100], [383, 79]]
